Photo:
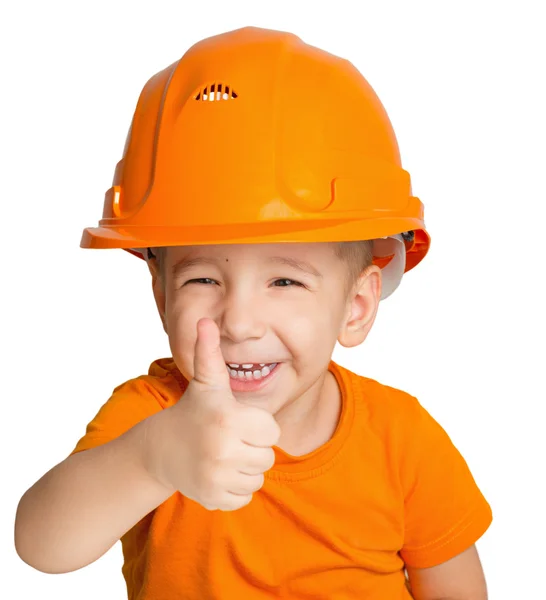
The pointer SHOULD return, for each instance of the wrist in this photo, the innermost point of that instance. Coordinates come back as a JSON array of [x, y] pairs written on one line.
[[150, 439]]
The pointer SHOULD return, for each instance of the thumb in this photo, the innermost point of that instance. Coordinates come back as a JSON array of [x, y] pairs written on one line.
[[208, 364]]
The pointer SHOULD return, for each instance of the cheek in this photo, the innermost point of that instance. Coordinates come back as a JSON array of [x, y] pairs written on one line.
[[308, 331], [182, 329]]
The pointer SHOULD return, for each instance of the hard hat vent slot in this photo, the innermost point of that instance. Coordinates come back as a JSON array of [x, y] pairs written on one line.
[[215, 91]]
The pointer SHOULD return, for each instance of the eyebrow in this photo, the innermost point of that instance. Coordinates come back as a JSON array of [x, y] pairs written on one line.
[[186, 263], [300, 265]]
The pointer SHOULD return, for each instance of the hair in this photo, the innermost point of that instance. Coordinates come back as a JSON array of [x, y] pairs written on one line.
[[159, 254], [357, 255]]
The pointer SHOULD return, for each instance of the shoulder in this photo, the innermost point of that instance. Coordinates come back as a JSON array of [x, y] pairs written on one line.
[[163, 382], [382, 402], [133, 401], [397, 419]]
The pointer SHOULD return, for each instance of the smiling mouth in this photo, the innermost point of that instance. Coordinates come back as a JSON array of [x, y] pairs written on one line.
[[249, 371]]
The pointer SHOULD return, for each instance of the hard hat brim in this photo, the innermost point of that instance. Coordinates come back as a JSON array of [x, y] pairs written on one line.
[[259, 233]]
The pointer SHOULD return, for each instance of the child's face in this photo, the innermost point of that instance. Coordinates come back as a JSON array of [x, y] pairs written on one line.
[[267, 309]]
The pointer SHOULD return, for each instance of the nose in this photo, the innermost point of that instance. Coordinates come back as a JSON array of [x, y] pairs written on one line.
[[241, 318]]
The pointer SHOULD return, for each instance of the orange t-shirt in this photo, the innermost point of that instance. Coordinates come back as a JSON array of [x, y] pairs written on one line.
[[388, 489]]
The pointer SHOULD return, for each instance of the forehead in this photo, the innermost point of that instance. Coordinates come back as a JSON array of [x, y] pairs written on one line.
[[318, 249], [315, 256]]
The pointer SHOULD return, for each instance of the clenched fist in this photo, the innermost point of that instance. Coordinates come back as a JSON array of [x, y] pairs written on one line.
[[209, 446]]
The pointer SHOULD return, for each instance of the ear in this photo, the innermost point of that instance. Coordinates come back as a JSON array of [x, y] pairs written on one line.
[[362, 304], [158, 288]]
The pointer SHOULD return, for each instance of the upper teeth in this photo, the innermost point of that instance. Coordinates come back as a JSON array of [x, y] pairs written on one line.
[[248, 371]]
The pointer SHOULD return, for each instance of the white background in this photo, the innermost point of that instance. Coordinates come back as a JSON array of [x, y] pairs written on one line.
[[464, 85]]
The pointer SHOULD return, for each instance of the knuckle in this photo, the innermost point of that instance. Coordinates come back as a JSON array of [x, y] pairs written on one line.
[[270, 459], [210, 489], [275, 430], [238, 502], [269, 427], [246, 500], [260, 479], [207, 498]]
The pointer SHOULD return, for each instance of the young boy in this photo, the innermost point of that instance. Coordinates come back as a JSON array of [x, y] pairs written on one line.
[[261, 181]]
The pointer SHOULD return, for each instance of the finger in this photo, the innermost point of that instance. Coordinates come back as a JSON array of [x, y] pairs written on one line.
[[260, 461], [246, 484], [259, 428], [208, 364], [235, 502]]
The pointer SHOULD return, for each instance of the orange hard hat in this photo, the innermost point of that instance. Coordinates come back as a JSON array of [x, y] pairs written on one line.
[[252, 137]]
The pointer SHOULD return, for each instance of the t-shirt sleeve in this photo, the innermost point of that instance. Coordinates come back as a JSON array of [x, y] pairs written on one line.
[[129, 404], [444, 510]]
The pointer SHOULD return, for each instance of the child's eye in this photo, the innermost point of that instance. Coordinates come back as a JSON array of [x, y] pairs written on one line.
[[291, 282], [285, 282], [200, 279]]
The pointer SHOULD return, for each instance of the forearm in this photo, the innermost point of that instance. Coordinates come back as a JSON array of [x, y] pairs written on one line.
[[81, 508]]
